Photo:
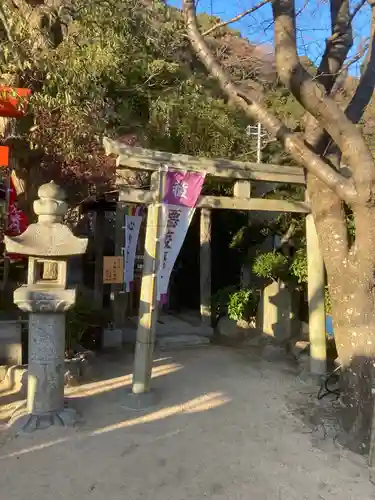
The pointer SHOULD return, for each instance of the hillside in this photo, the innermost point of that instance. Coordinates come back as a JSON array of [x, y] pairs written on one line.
[[125, 69]]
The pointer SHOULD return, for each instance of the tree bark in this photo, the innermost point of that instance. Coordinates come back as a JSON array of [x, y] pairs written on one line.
[[330, 132]]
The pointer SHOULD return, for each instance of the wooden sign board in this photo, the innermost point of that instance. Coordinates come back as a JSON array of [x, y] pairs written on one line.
[[113, 270]]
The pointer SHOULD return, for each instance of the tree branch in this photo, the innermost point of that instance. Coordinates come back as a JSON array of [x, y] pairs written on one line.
[[314, 99], [249, 103], [343, 73], [335, 54], [287, 236], [326, 206], [236, 18], [357, 8], [365, 89], [4, 22], [338, 45]]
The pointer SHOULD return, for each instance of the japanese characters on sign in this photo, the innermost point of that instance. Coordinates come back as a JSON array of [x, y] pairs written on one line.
[[181, 194], [180, 189], [113, 270], [133, 222]]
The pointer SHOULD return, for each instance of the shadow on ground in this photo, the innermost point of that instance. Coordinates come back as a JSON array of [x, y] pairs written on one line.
[[222, 430]]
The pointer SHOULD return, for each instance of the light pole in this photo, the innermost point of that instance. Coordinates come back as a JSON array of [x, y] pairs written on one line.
[[256, 130]]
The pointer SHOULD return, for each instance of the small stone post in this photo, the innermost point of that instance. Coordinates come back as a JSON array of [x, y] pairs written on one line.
[[46, 296]]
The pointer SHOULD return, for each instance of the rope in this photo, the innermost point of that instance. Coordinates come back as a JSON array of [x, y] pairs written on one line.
[[324, 386]]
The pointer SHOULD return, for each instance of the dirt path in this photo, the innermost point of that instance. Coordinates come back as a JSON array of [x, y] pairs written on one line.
[[223, 430]]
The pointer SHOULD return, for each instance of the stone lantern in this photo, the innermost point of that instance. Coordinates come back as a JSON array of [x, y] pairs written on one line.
[[46, 296]]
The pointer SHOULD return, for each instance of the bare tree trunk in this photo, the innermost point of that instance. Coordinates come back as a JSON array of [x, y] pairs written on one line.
[[352, 293], [358, 371], [330, 133]]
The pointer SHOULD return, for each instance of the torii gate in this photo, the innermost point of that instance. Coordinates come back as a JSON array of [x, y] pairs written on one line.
[[242, 174]]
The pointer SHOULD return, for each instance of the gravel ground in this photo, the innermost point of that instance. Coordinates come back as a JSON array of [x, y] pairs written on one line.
[[224, 429]]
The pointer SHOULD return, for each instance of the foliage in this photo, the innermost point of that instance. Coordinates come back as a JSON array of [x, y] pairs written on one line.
[[119, 68], [236, 303], [242, 304], [271, 265], [327, 301], [190, 121], [350, 224], [219, 301], [251, 234], [79, 319], [298, 267], [286, 107]]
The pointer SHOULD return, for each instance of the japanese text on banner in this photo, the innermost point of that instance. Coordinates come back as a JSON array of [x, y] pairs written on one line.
[[132, 228], [181, 194]]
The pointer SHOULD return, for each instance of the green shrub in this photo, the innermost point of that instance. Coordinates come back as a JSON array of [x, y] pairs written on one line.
[[271, 265], [220, 300], [236, 303], [242, 304], [298, 268]]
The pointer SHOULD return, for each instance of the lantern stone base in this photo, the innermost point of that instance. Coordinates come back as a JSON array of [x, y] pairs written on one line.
[[23, 421], [47, 295]]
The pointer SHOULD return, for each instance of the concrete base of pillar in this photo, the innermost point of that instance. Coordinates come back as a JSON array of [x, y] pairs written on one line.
[[23, 421], [141, 401]]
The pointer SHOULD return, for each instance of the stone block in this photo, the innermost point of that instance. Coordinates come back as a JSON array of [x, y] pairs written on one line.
[[79, 369], [300, 348], [180, 341], [169, 325], [10, 343], [276, 312], [236, 330]]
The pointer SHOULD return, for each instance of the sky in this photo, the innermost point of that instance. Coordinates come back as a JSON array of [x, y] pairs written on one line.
[[313, 23]]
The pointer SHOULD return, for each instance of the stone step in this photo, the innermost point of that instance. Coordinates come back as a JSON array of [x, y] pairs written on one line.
[[171, 326], [181, 341]]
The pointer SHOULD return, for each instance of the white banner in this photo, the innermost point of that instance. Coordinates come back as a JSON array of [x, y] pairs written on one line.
[[132, 227], [181, 192], [176, 220]]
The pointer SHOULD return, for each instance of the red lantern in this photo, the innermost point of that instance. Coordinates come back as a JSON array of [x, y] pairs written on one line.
[[4, 156], [13, 101]]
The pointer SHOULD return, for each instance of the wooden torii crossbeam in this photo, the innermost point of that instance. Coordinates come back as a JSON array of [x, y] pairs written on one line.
[[242, 174], [147, 160]]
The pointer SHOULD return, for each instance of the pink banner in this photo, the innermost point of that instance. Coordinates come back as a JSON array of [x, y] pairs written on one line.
[[182, 190]]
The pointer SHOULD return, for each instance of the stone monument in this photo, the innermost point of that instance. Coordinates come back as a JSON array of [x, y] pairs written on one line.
[[46, 296], [277, 318]]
